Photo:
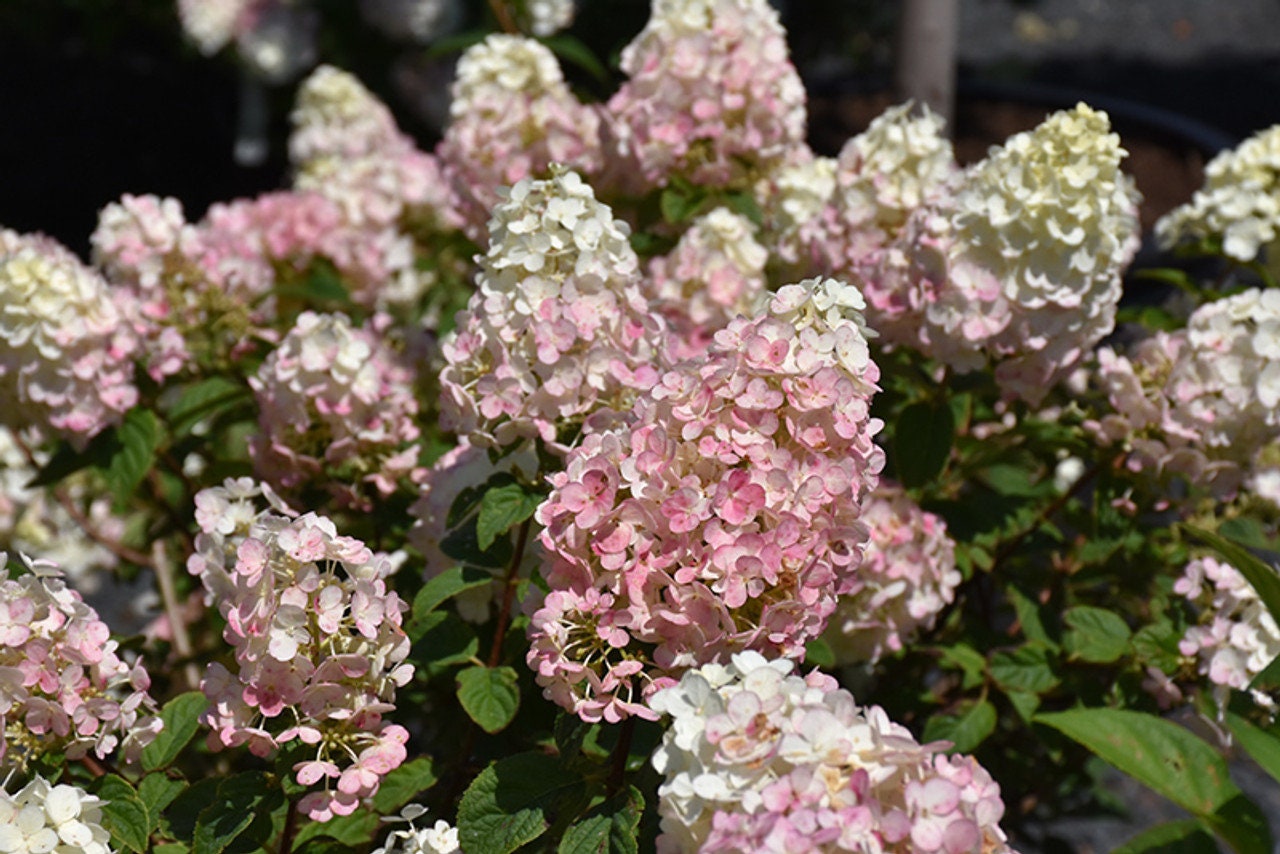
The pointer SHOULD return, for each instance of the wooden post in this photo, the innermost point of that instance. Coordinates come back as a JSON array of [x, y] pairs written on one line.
[[925, 62]]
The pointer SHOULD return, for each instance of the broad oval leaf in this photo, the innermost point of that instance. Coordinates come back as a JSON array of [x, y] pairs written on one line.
[[514, 801], [608, 828], [501, 509], [1095, 634], [124, 814], [966, 730], [922, 441], [489, 695], [181, 717]]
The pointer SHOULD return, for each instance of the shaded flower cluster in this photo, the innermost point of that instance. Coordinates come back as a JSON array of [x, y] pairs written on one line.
[[318, 645], [556, 329], [60, 819], [909, 570], [66, 346], [721, 514], [62, 684], [440, 838], [757, 758]]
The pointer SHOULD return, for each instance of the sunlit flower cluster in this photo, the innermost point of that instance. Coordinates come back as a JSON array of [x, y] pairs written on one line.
[[722, 514], [66, 346], [556, 329], [909, 570], [757, 758], [62, 684], [1236, 637], [318, 645], [1022, 265], [1239, 203], [336, 406], [1200, 402], [711, 94], [44, 819], [511, 117]]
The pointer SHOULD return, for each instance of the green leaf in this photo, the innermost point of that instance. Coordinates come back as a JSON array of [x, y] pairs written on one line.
[[818, 653], [680, 204], [463, 544], [1095, 634], [182, 815], [240, 814], [356, 829], [513, 802], [137, 440], [404, 784], [922, 441], [966, 659], [1024, 703], [571, 733], [1011, 480], [445, 586], [66, 460], [745, 204], [1176, 837], [170, 848], [445, 640], [489, 695], [966, 730], [1243, 825], [501, 509], [576, 52], [204, 400], [1030, 617], [1155, 752], [1263, 746], [1024, 669], [181, 717], [609, 827], [1268, 679], [124, 814], [156, 792], [1264, 578]]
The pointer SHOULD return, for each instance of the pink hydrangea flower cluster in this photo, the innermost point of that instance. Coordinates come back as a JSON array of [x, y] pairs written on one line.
[[318, 645], [711, 94], [60, 819], [722, 514], [758, 758], [715, 273], [1201, 402], [557, 328], [1022, 265], [66, 344], [512, 116], [1237, 637], [336, 406], [910, 575], [62, 685]]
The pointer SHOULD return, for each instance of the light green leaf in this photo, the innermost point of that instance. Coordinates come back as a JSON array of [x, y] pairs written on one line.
[[609, 828], [966, 730], [1024, 669], [124, 814], [1095, 634], [967, 660], [181, 717], [404, 784], [355, 829], [1155, 752], [137, 440], [501, 509], [1263, 746], [817, 653], [157, 791], [513, 802], [489, 695], [1243, 825], [445, 586]]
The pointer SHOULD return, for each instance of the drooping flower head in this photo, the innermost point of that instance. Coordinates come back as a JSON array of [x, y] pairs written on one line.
[[318, 645], [557, 328], [722, 514], [1022, 265], [711, 94], [512, 116], [66, 344], [336, 406], [62, 685], [757, 758]]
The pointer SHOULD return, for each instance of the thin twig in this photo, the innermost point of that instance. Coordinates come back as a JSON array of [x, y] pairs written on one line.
[[290, 826], [503, 13], [621, 752], [163, 569], [509, 594]]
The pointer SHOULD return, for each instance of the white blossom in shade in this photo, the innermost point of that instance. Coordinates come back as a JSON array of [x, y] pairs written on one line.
[[1239, 203], [1236, 637], [715, 273], [1201, 402], [280, 40], [336, 406], [44, 819], [711, 94], [62, 684], [543, 18], [212, 24], [440, 838], [721, 513], [66, 343], [319, 648], [557, 328], [758, 758], [793, 198], [511, 117], [902, 162], [909, 568], [1022, 266]]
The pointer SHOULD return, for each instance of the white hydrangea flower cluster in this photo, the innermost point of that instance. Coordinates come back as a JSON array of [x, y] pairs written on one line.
[[793, 198], [1023, 265], [1240, 201], [212, 24], [441, 838], [44, 819], [512, 116], [909, 566], [546, 17], [715, 273], [557, 328], [66, 346], [336, 405], [1237, 637], [829, 317], [758, 758], [1201, 402]]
